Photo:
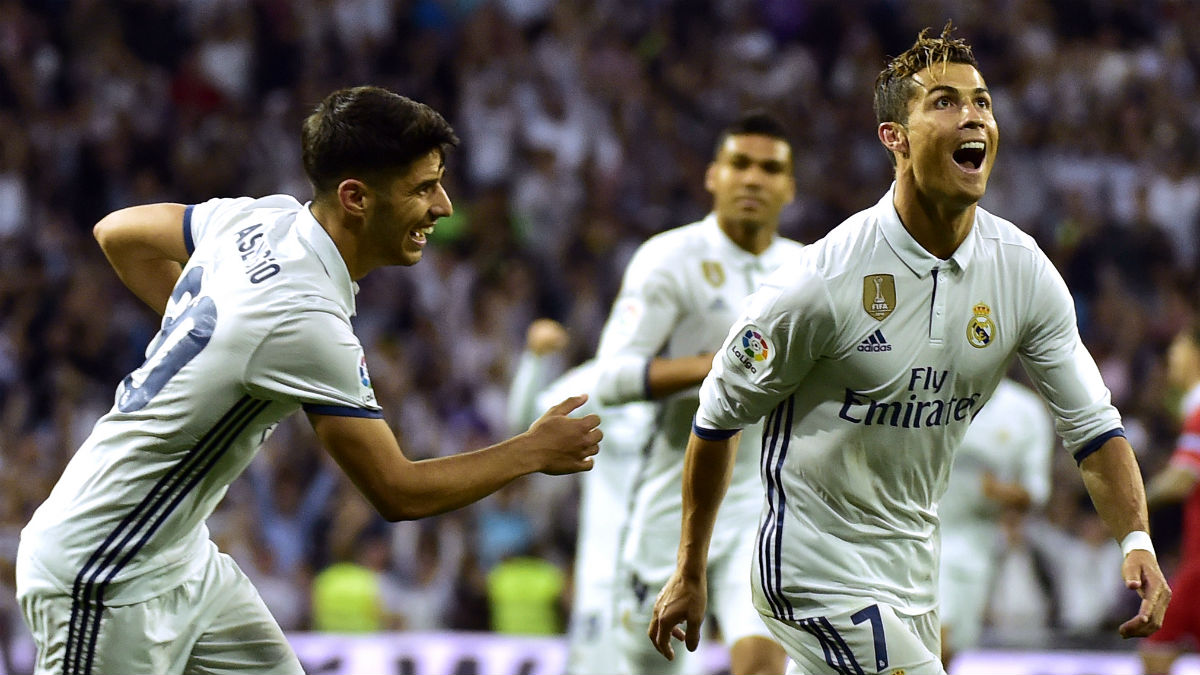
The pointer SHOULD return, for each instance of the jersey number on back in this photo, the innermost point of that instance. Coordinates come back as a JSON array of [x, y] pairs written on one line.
[[187, 327]]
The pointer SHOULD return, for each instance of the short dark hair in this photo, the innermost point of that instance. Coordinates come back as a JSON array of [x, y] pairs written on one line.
[[756, 123], [369, 132], [894, 87]]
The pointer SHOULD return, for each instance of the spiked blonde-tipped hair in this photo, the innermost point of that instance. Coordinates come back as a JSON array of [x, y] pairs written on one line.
[[894, 87]]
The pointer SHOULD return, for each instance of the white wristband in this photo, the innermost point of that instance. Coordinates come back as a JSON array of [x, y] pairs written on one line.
[[1138, 539]]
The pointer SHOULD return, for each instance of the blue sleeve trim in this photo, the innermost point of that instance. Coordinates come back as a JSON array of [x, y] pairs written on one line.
[[713, 434], [343, 411], [1082, 453], [646, 381], [187, 230]]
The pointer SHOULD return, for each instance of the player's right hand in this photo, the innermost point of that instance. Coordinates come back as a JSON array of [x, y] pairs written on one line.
[[683, 600], [566, 444], [546, 336]]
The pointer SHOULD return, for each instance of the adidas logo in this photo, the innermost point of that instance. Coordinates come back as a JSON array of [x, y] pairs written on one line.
[[875, 343]]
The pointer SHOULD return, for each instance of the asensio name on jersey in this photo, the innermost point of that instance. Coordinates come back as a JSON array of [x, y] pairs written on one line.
[[851, 434], [258, 326]]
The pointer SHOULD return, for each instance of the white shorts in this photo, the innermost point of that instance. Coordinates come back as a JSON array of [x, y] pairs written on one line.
[[214, 623], [590, 638], [873, 639], [963, 590], [729, 602]]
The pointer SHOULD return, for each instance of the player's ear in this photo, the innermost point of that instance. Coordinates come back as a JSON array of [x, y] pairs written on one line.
[[710, 177], [353, 195], [894, 137]]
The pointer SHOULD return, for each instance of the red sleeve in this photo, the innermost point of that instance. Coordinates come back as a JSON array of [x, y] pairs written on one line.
[[1187, 448]]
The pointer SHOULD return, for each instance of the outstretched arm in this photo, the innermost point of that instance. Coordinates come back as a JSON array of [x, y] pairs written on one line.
[[667, 376], [1173, 484], [1114, 482], [145, 245], [707, 468], [401, 489]]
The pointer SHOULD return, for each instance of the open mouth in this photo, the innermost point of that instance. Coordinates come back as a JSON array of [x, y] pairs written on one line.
[[970, 155], [420, 234]]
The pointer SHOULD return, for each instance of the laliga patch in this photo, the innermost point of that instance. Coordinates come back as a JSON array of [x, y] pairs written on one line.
[[627, 315], [752, 349]]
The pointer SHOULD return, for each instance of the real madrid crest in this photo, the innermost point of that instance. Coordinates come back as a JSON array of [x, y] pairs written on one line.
[[879, 295], [713, 272], [980, 329]]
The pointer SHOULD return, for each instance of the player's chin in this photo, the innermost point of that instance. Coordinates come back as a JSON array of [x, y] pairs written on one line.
[[752, 220], [408, 257]]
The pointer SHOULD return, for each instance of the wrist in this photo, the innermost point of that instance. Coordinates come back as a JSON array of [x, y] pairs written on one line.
[[525, 453], [1137, 540]]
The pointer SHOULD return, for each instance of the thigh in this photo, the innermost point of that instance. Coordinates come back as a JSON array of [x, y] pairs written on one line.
[[589, 640], [963, 591], [75, 638], [866, 640], [632, 650], [240, 635]]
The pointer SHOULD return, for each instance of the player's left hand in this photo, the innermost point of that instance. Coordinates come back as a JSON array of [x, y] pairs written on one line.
[[683, 600], [1141, 573]]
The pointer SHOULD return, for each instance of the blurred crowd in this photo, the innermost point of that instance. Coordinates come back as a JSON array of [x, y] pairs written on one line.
[[586, 127]]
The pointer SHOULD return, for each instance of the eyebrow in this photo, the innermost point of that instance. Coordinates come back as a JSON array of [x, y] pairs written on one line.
[[953, 90]]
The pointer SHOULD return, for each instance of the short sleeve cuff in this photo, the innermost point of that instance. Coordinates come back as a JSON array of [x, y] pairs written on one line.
[[713, 434], [343, 411], [1096, 443], [623, 380], [188, 241]]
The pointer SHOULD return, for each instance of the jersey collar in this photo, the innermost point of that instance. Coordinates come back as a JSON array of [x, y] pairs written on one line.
[[335, 266], [920, 261]]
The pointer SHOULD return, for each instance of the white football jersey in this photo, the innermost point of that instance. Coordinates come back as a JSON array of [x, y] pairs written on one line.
[[681, 291], [869, 356], [257, 327]]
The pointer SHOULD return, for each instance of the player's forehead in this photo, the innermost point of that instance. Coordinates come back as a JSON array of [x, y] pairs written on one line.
[[429, 165], [426, 168], [948, 76], [757, 147]]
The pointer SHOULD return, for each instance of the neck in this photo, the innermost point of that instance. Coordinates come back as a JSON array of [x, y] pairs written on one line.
[[335, 222], [752, 237], [938, 225]]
